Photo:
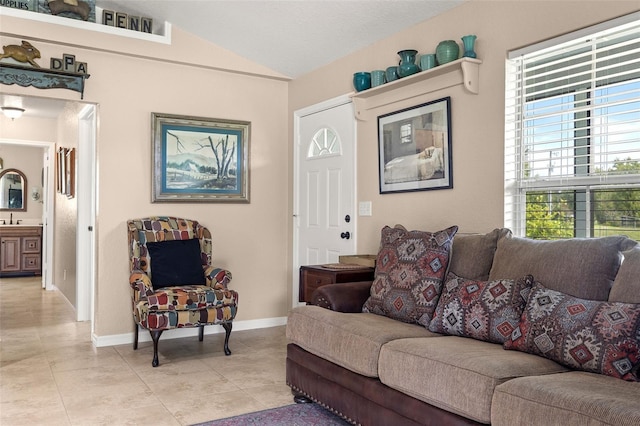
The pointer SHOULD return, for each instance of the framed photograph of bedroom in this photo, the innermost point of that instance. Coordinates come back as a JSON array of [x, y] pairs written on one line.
[[414, 148]]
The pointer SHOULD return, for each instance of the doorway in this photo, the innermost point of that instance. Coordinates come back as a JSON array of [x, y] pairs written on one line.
[[82, 295], [324, 185]]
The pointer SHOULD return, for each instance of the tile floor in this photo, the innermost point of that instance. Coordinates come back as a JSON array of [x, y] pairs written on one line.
[[50, 373]]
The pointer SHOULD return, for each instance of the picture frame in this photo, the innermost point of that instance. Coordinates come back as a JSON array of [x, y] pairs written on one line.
[[199, 160], [70, 172], [414, 148], [61, 174]]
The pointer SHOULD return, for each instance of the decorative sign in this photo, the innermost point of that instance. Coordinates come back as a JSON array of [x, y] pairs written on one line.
[[74, 9], [31, 5], [68, 64], [122, 20]]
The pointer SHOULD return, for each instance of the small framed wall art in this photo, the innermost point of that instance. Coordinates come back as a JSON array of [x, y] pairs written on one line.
[[198, 159], [414, 148]]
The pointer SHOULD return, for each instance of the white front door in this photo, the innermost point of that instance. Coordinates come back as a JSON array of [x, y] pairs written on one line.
[[324, 186]]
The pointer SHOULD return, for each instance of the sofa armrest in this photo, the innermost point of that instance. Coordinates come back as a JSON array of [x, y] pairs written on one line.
[[343, 297]]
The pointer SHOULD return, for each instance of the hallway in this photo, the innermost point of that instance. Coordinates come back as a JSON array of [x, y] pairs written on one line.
[[50, 373]]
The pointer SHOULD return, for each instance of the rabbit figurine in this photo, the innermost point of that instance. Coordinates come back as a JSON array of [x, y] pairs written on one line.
[[24, 53]]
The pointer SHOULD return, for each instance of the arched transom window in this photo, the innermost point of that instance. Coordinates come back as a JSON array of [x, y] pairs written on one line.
[[325, 142]]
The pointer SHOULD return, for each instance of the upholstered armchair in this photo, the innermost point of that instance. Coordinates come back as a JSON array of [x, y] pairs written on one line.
[[173, 284]]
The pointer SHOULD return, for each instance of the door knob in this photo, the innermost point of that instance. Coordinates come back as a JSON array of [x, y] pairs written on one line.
[[345, 235]]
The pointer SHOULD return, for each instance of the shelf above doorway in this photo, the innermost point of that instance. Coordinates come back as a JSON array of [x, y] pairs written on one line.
[[42, 78]]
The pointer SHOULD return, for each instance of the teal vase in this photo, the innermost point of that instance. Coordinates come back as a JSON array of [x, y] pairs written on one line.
[[362, 81], [468, 43], [447, 51], [407, 63]]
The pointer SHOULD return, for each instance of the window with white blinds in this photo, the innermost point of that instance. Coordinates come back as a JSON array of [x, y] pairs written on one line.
[[572, 134]]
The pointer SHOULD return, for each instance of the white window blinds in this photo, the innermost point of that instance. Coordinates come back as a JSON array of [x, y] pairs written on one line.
[[572, 141]]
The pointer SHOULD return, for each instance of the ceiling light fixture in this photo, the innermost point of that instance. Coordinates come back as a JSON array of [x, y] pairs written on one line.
[[12, 112]]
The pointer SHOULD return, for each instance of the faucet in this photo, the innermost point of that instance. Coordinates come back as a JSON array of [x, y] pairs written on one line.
[[11, 220]]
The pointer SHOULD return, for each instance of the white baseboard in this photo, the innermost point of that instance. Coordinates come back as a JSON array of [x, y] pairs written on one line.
[[143, 336]]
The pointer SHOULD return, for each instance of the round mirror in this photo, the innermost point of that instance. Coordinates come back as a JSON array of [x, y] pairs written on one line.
[[13, 184]]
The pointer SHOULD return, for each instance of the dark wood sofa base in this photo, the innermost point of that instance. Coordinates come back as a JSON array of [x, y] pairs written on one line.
[[359, 399]]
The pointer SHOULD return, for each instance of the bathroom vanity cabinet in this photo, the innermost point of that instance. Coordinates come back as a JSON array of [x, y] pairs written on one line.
[[20, 250]]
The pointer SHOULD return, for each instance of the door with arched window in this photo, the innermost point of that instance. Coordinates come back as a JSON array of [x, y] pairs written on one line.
[[324, 205]]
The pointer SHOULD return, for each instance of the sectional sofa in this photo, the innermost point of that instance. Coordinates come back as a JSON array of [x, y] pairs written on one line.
[[476, 329]]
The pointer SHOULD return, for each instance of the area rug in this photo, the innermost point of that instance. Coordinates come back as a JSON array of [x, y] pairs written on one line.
[[289, 415]]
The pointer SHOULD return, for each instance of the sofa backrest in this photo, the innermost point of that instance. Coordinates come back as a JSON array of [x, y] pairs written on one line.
[[626, 287], [472, 254], [582, 267]]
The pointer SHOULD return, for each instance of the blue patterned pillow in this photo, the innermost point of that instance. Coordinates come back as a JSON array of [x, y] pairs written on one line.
[[410, 268]]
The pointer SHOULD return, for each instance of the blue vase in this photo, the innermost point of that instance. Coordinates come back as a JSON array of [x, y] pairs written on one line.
[[468, 42], [407, 63], [362, 81]]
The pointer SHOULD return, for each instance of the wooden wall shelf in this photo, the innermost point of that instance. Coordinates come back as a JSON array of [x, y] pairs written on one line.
[[464, 71], [42, 78]]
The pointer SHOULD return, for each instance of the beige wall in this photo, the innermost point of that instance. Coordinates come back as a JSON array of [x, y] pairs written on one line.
[[188, 77], [66, 210], [475, 203]]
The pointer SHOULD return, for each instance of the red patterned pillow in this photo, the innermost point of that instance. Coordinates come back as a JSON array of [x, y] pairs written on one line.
[[589, 335], [483, 310], [410, 268]]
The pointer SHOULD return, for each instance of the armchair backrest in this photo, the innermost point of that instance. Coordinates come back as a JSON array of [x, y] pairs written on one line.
[[164, 228]]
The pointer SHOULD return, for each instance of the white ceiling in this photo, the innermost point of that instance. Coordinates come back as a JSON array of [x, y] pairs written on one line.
[[292, 37]]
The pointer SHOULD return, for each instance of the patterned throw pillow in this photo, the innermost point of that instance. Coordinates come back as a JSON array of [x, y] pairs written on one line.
[[410, 268], [589, 335], [483, 310]]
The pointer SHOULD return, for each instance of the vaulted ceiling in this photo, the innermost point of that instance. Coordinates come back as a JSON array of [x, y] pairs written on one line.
[[290, 37]]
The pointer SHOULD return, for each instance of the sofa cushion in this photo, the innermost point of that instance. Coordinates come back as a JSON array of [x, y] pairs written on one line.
[[456, 373], [351, 340], [573, 398], [472, 254], [581, 267], [601, 337], [626, 286], [483, 310], [410, 268]]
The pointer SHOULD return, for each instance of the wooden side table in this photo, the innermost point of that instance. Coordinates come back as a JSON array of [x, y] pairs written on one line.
[[314, 276]]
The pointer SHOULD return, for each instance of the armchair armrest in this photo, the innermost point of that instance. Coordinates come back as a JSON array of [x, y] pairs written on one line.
[[344, 297], [140, 284], [217, 278]]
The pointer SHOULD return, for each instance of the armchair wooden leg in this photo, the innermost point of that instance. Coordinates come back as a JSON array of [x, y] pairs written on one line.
[[135, 336], [201, 333], [227, 328], [155, 336]]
